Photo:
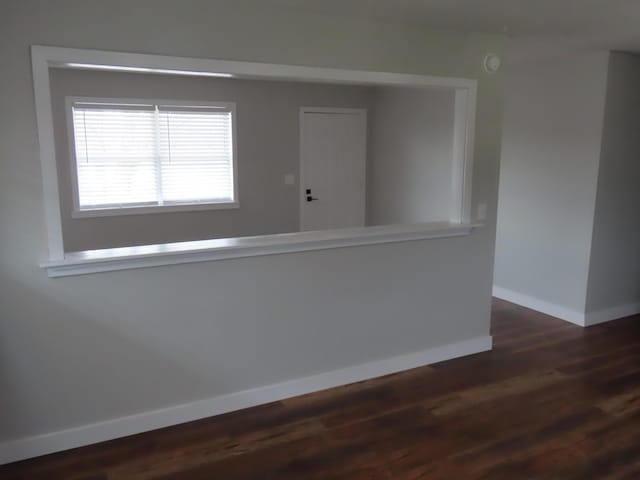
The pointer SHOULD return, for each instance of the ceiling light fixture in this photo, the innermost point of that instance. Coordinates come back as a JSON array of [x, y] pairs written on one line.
[[492, 63]]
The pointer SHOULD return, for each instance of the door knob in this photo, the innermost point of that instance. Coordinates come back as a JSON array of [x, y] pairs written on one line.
[[309, 197]]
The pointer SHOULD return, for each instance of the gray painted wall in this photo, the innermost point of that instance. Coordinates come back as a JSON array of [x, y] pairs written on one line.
[[268, 148], [614, 273], [410, 175], [85, 349], [549, 169]]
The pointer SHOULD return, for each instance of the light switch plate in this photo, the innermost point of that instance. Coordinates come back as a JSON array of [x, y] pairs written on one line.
[[289, 179]]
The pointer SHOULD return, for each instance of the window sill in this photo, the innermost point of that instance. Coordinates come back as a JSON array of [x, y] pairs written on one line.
[[183, 207], [105, 260]]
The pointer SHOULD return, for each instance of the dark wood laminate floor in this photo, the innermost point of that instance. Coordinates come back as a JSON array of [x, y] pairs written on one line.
[[551, 401]]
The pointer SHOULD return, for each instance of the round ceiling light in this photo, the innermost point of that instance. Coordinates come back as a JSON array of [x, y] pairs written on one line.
[[492, 63]]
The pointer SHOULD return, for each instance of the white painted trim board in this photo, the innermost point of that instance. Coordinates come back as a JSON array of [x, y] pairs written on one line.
[[538, 305], [578, 318], [145, 256], [29, 447]]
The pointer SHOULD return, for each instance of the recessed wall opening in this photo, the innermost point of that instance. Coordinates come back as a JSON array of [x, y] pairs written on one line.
[[152, 156]]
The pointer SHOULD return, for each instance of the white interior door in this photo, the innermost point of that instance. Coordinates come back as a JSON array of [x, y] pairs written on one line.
[[333, 152]]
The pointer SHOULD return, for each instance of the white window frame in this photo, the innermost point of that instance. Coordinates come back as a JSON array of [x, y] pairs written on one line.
[[78, 212], [43, 58]]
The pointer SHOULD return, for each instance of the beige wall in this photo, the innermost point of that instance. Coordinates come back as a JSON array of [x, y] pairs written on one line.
[[80, 350], [411, 168], [268, 148]]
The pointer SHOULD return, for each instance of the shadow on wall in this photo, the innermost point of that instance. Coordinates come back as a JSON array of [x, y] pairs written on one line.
[[95, 360]]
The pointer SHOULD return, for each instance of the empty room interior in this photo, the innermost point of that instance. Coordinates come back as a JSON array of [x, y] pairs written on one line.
[[319, 239]]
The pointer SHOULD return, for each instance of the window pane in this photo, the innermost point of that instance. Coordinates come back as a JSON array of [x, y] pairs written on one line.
[[131, 155], [115, 155], [196, 150]]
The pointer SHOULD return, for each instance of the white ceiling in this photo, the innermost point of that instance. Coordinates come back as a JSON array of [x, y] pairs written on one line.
[[612, 24]]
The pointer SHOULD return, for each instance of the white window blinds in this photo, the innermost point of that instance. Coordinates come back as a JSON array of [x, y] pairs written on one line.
[[151, 155]]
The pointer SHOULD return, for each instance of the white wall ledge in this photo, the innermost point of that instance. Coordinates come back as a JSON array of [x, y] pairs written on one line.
[[124, 258]]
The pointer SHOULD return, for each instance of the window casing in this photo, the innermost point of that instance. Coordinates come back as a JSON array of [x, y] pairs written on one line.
[[143, 156], [46, 58]]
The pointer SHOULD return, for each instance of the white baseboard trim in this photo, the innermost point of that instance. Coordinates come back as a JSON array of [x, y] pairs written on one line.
[[538, 305], [120, 427], [609, 314], [563, 313]]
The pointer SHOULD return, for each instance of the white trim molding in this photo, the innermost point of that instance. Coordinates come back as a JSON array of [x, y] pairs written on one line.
[[578, 318], [125, 258], [541, 306], [120, 427], [43, 58]]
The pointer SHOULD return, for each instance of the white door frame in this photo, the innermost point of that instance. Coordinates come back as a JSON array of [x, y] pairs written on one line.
[[344, 111]]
